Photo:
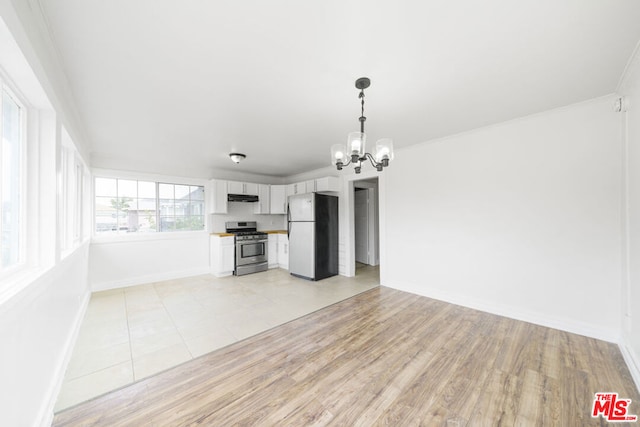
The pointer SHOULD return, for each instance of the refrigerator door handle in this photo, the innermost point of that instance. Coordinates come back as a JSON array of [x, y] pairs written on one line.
[[288, 221]]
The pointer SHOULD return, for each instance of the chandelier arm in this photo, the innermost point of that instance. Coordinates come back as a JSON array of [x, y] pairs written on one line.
[[372, 160]]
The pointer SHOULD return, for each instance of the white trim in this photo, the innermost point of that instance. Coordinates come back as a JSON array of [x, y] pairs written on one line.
[[46, 412], [14, 94], [632, 361], [537, 318], [348, 241], [140, 280]]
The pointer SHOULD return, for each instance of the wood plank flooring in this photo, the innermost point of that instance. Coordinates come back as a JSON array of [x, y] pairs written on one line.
[[383, 357]]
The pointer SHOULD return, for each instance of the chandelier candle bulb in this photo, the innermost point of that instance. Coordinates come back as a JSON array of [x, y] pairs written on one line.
[[384, 151], [356, 141], [338, 156]]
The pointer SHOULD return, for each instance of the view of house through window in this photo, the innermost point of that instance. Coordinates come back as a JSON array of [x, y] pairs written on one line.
[[132, 206], [11, 182]]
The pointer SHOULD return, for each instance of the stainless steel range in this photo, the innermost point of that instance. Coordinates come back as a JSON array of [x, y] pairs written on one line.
[[251, 247]]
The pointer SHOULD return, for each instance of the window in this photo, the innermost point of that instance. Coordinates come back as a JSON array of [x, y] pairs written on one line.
[[132, 206], [181, 207], [72, 193], [11, 182]]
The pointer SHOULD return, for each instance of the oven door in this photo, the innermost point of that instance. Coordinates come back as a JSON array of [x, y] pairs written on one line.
[[251, 251]]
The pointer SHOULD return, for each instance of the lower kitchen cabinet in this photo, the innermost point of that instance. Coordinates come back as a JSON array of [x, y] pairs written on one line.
[[278, 251], [272, 251], [283, 251], [222, 252]]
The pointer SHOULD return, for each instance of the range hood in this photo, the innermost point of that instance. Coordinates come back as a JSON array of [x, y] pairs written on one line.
[[241, 198]]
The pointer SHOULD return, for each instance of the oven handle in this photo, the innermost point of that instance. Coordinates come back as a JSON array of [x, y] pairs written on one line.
[[242, 242]]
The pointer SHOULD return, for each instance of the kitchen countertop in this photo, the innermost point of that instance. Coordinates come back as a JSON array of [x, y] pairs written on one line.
[[222, 234]]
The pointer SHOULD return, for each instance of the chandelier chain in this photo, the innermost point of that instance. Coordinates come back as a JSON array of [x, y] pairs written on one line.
[[362, 117]]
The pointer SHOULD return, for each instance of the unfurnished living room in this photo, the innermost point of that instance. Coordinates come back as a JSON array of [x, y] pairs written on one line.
[[320, 213]]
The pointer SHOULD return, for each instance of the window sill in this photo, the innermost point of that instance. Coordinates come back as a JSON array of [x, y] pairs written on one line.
[[15, 283], [167, 235]]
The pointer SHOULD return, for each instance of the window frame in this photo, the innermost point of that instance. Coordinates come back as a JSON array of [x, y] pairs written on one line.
[[23, 262], [71, 194], [157, 180]]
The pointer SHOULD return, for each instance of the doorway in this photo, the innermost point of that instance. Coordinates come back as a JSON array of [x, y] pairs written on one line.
[[366, 225]]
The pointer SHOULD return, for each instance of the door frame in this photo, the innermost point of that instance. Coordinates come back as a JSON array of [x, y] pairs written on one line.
[[369, 219], [348, 220], [373, 222]]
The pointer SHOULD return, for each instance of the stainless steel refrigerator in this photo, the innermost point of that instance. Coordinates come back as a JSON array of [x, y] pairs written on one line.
[[313, 235]]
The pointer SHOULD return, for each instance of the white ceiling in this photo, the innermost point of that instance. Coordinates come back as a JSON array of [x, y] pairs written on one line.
[[163, 82]]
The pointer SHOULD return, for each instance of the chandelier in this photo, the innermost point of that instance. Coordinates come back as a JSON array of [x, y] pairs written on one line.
[[355, 152]]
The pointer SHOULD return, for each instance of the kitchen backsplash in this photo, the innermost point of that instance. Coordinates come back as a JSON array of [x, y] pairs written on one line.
[[238, 211]]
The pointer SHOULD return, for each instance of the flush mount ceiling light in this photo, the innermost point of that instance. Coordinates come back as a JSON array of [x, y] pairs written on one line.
[[237, 157], [354, 152]]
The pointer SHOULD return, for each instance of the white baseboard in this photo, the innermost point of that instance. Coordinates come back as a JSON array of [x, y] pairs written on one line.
[[226, 274], [542, 319], [46, 413], [633, 362], [105, 286]]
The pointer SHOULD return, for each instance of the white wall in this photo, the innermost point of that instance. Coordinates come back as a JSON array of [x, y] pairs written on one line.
[[520, 219], [132, 260], [630, 346], [37, 330], [40, 316]]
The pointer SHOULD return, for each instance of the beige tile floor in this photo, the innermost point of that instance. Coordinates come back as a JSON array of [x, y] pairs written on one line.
[[132, 333]]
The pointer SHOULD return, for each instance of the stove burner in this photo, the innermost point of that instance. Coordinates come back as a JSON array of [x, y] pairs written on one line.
[[245, 230]]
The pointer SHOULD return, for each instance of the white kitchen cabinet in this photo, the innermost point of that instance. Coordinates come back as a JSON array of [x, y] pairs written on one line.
[[247, 188], [283, 251], [272, 251], [236, 187], [264, 196], [310, 186], [297, 188], [328, 183], [278, 199], [218, 197], [222, 255]]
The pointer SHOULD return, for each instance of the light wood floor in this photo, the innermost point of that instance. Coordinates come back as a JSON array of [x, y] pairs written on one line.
[[383, 357]]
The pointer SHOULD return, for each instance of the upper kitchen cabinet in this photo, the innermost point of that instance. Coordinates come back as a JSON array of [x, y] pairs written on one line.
[[278, 202], [218, 196], [263, 206], [297, 188], [320, 185], [310, 186], [328, 183], [246, 188]]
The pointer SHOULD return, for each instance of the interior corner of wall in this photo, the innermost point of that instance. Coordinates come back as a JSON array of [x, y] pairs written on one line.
[[631, 359]]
